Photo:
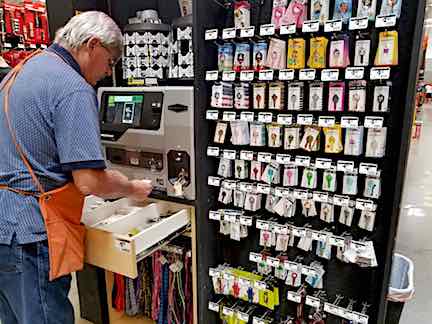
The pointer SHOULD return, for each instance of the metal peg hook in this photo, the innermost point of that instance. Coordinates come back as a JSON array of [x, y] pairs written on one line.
[[365, 308], [351, 304], [338, 299]]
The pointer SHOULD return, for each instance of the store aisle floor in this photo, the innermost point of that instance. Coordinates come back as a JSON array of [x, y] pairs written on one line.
[[414, 236]]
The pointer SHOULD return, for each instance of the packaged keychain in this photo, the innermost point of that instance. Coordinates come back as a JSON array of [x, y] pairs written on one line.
[[388, 49], [391, 7], [324, 249], [336, 99], [329, 180], [285, 208], [362, 52], [274, 132], [259, 55], [320, 10], [357, 96], [290, 176], [318, 53], [276, 55], [376, 142], [220, 132], [372, 187], [241, 169], [256, 170], [235, 232], [381, 101], [239, 198], [270, 173], [295, 95], [354, 141], [305, 242], [316, 96], [327, 213], [367, 8], [296, 53], [265, 238], [343, 10], [309, 208], [309, 179], [296, 13], [271, 202], [350, 183], [281, 246], [240, 132], [339, 52], [367, 220], [310, 140], [241, 96], [252, 202], [276, 95], [242, 57], [278, 11], [292, 138], [257, 134], [346, 215], [242, 15], [225, 57], [259, 95], [333, 139], [222, 95], [225, 196], [225, 168]]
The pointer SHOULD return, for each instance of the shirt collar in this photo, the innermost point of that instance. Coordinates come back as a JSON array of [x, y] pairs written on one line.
[[66, 56]]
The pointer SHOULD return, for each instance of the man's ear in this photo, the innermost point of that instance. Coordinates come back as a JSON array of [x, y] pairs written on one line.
[[92, 43]]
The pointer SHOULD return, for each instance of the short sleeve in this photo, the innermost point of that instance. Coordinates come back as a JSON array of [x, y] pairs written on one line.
[[77, 132]]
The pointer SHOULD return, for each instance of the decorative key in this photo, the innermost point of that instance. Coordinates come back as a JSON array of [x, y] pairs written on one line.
[[309, 177], [356, 100], [274, 98], [380, 100], [258, 100], [335, 100], [293, 101], [329, 179], [239, 171], [220, 133], [290, 140], [273, 137], [315, 99]]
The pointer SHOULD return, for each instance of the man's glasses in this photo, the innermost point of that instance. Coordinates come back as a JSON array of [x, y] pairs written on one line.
[[112, 61]]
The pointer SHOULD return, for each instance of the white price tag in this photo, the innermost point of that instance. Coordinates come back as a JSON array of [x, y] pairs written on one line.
[[263, 188], [260, 285], [373, 122], [313, 302], [230, 184], [358, 23], [333, 25], [247, 75], [368, 169], [337, 241], [304, 161], [283, 158], [286, 75], [212, 75], [213, 307], [330, 75], [345, 166], [285, 119], [246, 187], [262, 225], [326, 121], [265, 117], [43, 46], [243, 317], [361, 318], [246, 155], [307, 74], [21, 46], [323, 163], [229, 116], [246, 220], [229, 33], [301, 194], [267, 30], [273, 262], [281, 229], [228, 276], [264, 157], [214, 273], [32, 45], [214, 181], [380, 73], [341, 200], [305, 119], [282, 192], [211, 34], [383, 21], [311, 26], [247, 116], [363, 204], [213, 151], [288, 29], [349, 122], [331, 309], [321, 197], [247, 32], [7, 45], [354, 73], [229, 154], [257, 320], [266, 75], [214, 215], [294, 297], [228, 76], [227, 311]]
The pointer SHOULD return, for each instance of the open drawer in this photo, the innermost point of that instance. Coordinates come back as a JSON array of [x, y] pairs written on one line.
[[120, 234]]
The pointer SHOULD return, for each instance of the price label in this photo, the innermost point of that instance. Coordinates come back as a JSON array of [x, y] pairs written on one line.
[[265, 117], [383, 21], [349, 122], [7, 45], [212, 115], [229, 33], [32, 45], [313, 302], [266, 75], [213, 307], [267, 30], [230, 218], [301, 194], [257, 320], [363, 204], [247, 116], [246, 187], [211, 34], [358, 23], [368, 169], [288, 29], [246, 220], [243, 317], [307, 74], [323, 163], [230, 184], [229, 154], [330, 75], [333, 25], [318, 236], [321, 197], [214, 273], [360, 318], [229, 116], [262, 225], [337, 241], [21, 46], [311, 26], [264, 157], [282, 192], [345, 313], [284, 119], [304, 161], [281, 229], [247, 32], [247, 75], [341, 200], [294, 297], [263, 188], [228, 76], [305, 119], [354, 73], [331, 309], [373, 122], [273, 262], [283, 158], [227, 311], [213, 151], [43, 46], [260, 285], [214, 215], [246, 155], [214, 181], [326, 121], [212, 75], [380, 73], [345, 166], [286, 75]]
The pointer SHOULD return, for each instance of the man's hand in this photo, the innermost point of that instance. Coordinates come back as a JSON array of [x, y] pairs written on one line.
[[140, 189]]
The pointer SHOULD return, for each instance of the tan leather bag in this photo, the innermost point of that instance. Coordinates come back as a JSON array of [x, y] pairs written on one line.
[[61, 208]]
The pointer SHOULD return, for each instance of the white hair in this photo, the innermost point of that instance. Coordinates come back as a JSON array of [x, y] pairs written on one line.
[[79, 29]]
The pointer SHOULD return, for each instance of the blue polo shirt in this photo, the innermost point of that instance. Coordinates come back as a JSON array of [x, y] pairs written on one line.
[[54, 114]]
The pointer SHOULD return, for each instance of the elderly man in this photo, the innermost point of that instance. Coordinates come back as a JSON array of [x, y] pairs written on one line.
[[49, 137]]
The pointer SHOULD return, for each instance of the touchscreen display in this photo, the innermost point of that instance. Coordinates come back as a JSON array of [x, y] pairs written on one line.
[[124, 110]]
